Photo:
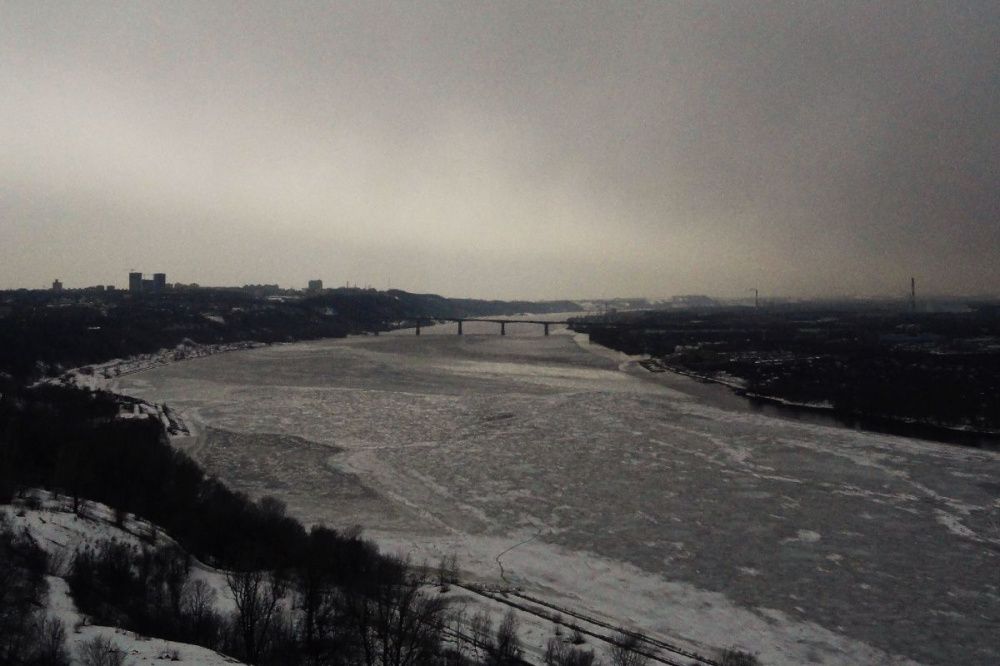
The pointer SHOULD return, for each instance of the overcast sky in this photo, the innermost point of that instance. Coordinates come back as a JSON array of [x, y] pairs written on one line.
[[509, 149]]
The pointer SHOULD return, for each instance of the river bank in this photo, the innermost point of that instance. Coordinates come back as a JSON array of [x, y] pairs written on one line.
[[827, 414]]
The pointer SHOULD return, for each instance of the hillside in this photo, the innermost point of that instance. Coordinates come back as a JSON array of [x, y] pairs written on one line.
[[42, 333], [48, 521]]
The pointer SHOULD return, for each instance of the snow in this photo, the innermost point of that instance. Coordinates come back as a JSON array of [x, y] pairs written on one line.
[[98, 376], [137, 648], [637, 498], [60, 533]]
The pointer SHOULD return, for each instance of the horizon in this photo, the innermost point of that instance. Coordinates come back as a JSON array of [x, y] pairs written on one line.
[[511, 151], [737, 297]]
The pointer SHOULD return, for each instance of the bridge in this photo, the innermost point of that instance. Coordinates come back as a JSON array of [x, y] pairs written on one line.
[[503, 323]]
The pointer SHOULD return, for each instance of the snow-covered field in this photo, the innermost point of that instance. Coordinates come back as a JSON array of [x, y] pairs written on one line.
[[614, 491]]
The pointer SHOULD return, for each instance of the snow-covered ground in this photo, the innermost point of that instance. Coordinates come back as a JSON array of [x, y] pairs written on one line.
[[137, 649], [98, 376], [616, 492], [60, 532]]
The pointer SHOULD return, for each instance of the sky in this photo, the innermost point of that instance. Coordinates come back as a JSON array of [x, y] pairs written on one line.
[[504, 150]]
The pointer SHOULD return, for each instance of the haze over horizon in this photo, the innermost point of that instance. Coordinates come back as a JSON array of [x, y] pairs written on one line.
[[508, 150]]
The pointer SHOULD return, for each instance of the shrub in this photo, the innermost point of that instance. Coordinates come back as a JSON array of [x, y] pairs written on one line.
[[624, 650], [101, 651], [557, 653], [738, 658]]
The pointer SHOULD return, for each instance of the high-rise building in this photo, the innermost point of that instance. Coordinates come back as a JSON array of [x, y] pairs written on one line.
[[56, 285], [135, 282], [159, 282], [315, 286]]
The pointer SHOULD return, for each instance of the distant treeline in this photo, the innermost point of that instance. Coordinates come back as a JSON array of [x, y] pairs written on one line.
[[941, 369], [374, 308], [44, 332], [41, 338]]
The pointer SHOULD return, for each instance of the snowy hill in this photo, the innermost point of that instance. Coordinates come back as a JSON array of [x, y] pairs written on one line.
[[49, 521]]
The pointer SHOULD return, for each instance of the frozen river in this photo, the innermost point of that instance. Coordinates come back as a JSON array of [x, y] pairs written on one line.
[[624, 493]]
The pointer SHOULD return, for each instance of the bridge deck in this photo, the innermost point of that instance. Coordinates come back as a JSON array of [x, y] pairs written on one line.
[[503, 323]]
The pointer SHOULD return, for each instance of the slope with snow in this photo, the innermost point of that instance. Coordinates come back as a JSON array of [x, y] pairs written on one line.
[[60, 532]]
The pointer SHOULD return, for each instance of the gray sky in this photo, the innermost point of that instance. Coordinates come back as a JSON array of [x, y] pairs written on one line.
[[509, 149]]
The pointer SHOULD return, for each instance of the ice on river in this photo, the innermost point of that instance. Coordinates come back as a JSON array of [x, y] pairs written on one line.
[[624, 494]]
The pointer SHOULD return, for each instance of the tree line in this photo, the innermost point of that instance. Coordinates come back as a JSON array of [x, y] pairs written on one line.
[[41, 335], [940, 369]]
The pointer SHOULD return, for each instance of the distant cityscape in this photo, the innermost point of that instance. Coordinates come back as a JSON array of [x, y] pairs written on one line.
[[139, 284]]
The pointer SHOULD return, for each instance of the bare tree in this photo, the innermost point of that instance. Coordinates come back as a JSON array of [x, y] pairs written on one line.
[[197, 598], [318, 602], [317, 596], [256, 595], [27, 636], [481, 632], [447, 572], [395, 624], [507, 648], [50, 646], [623, 650], [455, 647], [198, 611]]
